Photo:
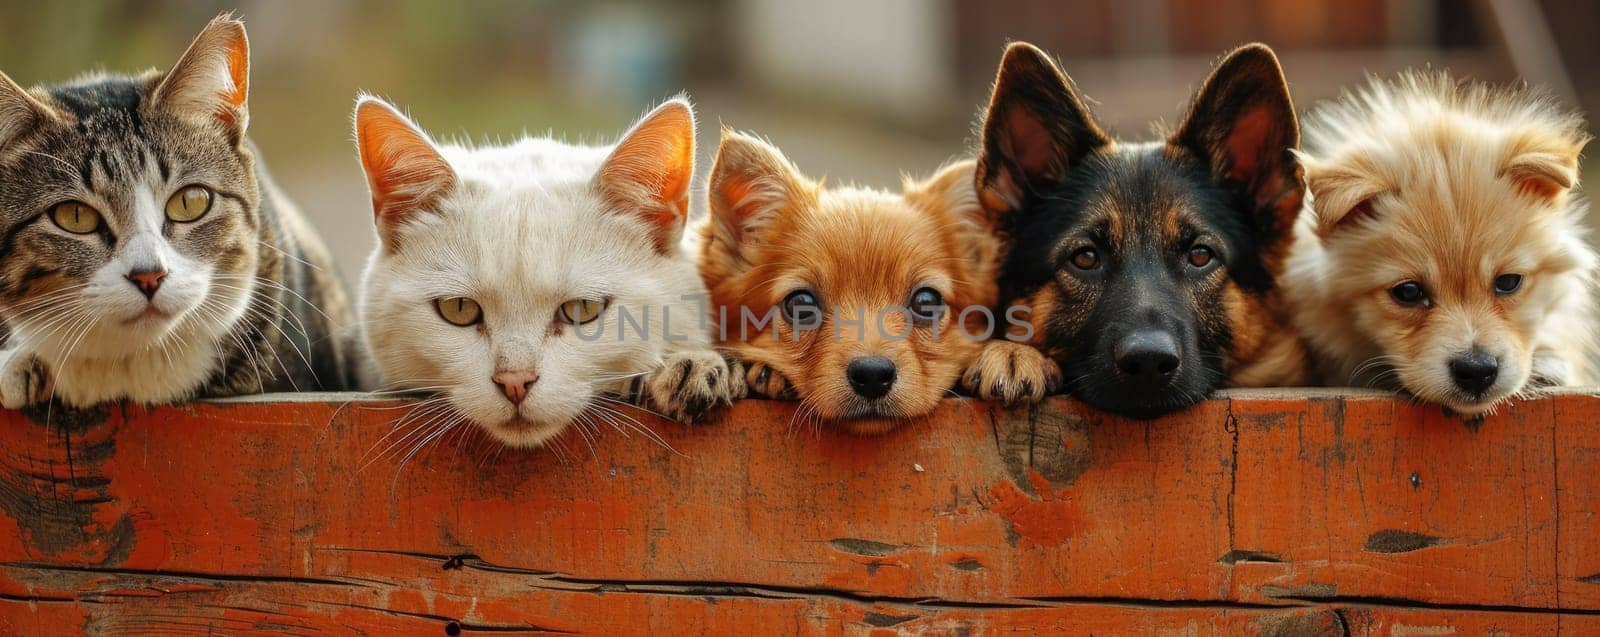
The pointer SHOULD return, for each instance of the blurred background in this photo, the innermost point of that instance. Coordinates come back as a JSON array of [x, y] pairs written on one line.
[[855, 90]]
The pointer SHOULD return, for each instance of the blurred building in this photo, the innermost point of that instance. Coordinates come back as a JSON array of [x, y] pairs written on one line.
[[857, 91]]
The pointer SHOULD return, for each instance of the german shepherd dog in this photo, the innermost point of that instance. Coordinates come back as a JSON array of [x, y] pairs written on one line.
[[1150, 268]]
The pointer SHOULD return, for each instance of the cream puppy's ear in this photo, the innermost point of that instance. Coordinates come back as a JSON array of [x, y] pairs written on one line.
[[212, 78], [752, 185], [1541, 164], [1342, 190], [405, 172], [649, 172]]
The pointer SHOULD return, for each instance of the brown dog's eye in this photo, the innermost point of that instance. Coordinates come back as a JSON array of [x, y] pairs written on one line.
[[1200, 256], [1086, 259], [1409, 293], [926, 306], [802, 309], [1507, 283]]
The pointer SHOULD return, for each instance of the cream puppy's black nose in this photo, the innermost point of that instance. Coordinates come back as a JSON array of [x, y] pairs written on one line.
[[1475, 371]]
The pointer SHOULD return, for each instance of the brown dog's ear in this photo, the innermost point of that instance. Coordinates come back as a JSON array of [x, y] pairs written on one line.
[[950, 192], [405, 172], [1542, 165], [1035, 129], [19, 110], [212, 79], [648, 173], [752, 184], [1242, 124]]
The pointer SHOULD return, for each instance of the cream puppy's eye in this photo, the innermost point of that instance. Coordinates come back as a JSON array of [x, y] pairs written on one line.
[[459, 310], [580, 311], [189, 204], [1507, 283], [1410, 293], [75, 217]]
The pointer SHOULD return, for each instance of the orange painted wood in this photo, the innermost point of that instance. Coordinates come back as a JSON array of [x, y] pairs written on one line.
[[1258, 512]]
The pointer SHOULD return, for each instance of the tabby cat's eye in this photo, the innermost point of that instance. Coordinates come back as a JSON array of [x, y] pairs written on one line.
[[189, 204], [459, 310], [580, 311], [75, 217]]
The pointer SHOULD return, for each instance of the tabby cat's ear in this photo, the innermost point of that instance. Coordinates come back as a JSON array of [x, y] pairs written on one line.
[[19, 110], [405, 172], [649, 172], [212, 79]]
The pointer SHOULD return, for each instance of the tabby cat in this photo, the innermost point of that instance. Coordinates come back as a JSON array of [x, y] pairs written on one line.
[[145, 255]]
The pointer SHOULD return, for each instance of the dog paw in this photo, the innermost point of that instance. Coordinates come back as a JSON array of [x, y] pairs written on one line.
[[689, 385], [1012, 373], [23, 380], [1549, 371], [770, 383]]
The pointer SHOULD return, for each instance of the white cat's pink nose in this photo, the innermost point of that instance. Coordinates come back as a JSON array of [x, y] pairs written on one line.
[[515, 384]]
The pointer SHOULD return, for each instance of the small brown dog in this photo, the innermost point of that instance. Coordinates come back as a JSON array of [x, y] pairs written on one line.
[[852, 300], [1444, 251]]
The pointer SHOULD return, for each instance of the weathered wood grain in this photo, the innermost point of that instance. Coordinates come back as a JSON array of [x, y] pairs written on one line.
[[1258, 512]]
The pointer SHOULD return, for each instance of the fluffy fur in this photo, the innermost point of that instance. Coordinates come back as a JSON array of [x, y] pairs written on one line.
[[246, 297], [522, 230], [1150, 268], [861, 254], [1447, 185]]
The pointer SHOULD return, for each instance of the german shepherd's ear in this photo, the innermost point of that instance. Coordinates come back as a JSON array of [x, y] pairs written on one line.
[[752, 184], [1035, 129], [1242, 124]]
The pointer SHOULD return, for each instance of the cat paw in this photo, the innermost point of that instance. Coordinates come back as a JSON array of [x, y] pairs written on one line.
[[1012, 373], [770, 383], [690, 384], [23, 380]]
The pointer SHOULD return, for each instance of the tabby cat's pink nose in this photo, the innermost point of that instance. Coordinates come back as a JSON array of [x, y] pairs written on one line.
[[148, 281], [515, 384]]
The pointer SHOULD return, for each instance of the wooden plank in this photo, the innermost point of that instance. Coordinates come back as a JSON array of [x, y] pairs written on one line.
[[1251, 508]]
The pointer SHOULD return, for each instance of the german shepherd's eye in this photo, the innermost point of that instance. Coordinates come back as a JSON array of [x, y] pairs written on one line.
[[1201, 256], [926, 306], [801, 307], [1085, 259], [1410, 293], [1507, 283]]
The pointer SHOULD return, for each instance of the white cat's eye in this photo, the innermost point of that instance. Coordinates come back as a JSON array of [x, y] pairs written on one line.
[[459, 310], [189, 204], [580, 311], [75, 217]]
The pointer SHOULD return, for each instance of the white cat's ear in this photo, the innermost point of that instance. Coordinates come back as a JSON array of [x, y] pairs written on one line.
[[405, 172], [19, 110], [752, 185], [649, 172], [212, 79]]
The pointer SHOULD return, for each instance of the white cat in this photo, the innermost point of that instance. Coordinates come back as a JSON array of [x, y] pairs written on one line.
[[527, 283]]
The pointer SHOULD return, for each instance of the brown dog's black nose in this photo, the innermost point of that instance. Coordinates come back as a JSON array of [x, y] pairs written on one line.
[[1147, 356], [148, 280], [1475, 371], [871, 376]]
